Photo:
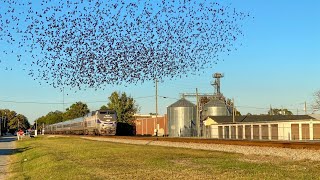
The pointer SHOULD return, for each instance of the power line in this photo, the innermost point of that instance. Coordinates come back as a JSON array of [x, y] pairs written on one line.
[[38, 102], [142, 97], [166, 97], [30, 102]]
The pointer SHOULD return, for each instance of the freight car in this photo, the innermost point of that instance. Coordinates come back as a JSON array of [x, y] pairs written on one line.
[[101, 122]]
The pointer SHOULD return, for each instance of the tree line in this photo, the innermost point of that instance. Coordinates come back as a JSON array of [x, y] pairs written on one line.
[[76, 110], [12, 121]]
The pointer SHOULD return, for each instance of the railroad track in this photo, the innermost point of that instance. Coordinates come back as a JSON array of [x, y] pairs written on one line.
[[276, 144]]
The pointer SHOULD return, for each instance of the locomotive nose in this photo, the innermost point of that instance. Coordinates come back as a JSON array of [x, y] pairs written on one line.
[[108, 124]]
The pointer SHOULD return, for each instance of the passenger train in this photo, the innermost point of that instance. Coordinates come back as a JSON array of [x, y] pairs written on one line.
[[101, 122]]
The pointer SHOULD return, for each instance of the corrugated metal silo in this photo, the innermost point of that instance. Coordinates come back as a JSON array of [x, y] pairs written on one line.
[[216, 107], [182, 119]]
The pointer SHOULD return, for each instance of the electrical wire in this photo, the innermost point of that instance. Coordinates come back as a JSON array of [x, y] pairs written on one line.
[[38, 102], [30, 102], [151, 96]]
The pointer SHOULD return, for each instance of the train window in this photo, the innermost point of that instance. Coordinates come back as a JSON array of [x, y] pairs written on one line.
[[107, 112]]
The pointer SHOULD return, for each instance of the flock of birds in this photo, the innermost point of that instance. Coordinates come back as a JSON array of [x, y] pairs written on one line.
[[88, 44]]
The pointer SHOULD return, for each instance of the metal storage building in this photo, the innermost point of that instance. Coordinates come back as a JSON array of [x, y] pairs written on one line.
[[216, 107], [182, 119]]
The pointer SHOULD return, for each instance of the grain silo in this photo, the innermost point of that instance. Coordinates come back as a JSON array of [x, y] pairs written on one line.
[[216, 107], [182, 118]]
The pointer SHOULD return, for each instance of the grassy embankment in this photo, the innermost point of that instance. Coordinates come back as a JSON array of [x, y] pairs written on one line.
[[75, 158]]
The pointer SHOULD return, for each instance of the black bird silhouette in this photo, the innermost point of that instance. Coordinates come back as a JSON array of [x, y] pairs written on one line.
[[84, 44]]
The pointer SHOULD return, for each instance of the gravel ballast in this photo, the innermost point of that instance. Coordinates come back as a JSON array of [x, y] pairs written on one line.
[[292, 154]]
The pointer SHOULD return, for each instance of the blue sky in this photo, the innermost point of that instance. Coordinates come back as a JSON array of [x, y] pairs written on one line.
[[278, 65]]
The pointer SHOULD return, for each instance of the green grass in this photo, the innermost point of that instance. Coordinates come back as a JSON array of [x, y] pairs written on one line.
[[75, 158]]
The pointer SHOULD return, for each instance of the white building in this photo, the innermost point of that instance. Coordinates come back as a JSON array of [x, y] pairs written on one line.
[[264, 127]]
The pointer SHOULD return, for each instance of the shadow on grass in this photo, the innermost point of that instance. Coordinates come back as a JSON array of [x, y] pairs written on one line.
[[4, 152], [6, 144]]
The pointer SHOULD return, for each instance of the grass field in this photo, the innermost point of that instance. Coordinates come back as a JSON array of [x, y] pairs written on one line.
[[75, 158]]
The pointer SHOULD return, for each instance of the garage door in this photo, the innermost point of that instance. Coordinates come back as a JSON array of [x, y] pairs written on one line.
[[274, 131], [226, 132], [240, 132], [295, 131], [316, 131], [220, 131], [305, 131], [264, 132], [233, 132], [255, 131], [248, 131]]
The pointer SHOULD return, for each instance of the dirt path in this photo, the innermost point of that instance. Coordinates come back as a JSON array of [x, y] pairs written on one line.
[[7, 145]]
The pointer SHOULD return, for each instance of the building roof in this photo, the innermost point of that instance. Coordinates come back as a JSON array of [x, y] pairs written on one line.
[[259, 118], [182, 103], [215, 103], [316, 116]]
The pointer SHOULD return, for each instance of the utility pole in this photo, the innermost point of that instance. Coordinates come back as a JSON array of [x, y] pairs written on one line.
[[157, 128], [197, 114], [233, 111], [3, 123], [63, 99], [36, 131], [305, 107]]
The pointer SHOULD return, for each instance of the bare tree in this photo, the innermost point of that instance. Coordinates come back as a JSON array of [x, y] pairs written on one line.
[[316, 105]]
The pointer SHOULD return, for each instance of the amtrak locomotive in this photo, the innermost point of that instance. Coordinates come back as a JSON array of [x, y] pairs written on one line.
[[101, 122]]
